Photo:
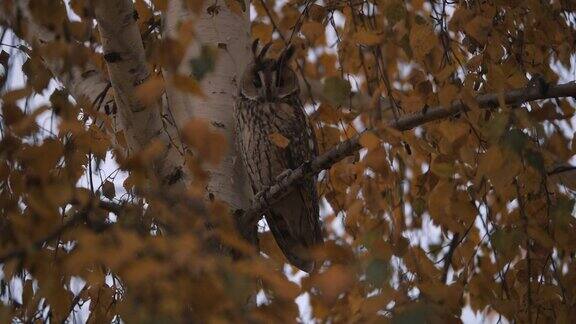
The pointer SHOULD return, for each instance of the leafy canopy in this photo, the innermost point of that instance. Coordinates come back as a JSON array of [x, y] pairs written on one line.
[[473, 210]]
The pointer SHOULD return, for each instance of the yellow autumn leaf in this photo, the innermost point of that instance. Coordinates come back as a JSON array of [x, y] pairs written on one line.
[[442, 169], [262, 31], [279, 140]]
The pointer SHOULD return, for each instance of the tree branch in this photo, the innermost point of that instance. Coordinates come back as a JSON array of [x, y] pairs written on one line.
[[448, 257], [346, 148]]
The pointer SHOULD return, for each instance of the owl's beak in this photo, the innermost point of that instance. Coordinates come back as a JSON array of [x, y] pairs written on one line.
[[268, 94], [267, 82]]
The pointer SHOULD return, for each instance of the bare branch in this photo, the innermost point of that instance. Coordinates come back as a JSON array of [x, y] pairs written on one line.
[[515, 96], [346, 148]]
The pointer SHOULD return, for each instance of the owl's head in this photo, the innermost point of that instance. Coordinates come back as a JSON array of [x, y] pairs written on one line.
[[267, 79]]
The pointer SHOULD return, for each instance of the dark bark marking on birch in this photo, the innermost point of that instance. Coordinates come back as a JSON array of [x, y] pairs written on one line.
[[112, 57]]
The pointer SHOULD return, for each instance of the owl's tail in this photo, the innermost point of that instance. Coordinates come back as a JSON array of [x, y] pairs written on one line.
[[294, 222]]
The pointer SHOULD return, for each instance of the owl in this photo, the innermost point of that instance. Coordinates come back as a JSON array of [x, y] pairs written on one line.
[[268, 107]]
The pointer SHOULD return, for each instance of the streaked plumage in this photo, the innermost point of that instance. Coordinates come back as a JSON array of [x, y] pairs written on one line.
[[268, 103]]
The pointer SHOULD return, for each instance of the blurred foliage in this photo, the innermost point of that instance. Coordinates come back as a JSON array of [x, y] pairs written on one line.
[[465, 211]]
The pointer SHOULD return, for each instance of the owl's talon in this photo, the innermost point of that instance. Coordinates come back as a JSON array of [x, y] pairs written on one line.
[[285, 174], [260, 195]]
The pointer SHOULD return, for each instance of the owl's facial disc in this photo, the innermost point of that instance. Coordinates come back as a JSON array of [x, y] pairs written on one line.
[[268, 79], [261, 80]]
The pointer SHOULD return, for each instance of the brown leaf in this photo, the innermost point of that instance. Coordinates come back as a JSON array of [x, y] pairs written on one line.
[[422, 40], [316, 12], [369, 140], [313, 31], [447, 95], [367, 38], [262, 31], [150, 91], [13, 95], [187, 84], [334, 281], [209, 144], [108, 189], [479, 28], [236, 6], [279, 140]]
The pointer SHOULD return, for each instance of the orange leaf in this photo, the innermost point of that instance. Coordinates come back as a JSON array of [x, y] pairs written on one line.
[[279, 140], [479, 28], [334, 281], [447, 95], [369, 140], [262, 31], [187, 84], [314, 31], [367, 38], [150, 91], [422, 40], [207, 143]]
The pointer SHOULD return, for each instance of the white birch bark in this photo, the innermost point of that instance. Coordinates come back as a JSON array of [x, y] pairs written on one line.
[[140, 121], [227, 33], [85, 83]]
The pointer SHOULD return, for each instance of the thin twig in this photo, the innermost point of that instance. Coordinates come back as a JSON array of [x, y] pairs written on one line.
[[75, 302], [448, 258]]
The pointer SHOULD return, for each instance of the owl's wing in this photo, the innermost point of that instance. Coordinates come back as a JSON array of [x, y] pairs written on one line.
[[294, 219], [248, 230]]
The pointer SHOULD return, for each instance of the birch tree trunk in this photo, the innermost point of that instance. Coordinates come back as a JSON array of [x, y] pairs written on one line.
[[227, 34]]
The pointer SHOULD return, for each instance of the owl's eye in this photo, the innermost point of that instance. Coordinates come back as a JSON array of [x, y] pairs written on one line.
[[256, 80]]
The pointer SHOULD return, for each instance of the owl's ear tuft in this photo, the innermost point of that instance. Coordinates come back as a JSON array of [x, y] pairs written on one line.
[[255, 46], [260, 56], [288, 52], [284, 57]]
